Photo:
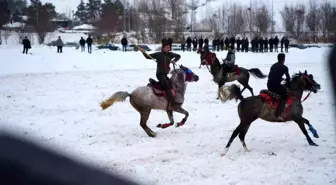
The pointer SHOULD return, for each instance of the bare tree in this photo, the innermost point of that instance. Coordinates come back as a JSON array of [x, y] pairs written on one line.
[[155, 18], [222, 17], [288, 18], [300, 20], [293, 18], [178, 11], [262, 20], [237, 21], [313, 20], [328, 19]]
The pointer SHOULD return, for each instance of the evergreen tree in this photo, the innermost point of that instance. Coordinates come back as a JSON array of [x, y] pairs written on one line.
[[81, 13], [93, 8]]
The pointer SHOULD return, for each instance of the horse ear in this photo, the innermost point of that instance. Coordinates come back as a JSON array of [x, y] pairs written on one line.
[[305, 72], [300, 72]]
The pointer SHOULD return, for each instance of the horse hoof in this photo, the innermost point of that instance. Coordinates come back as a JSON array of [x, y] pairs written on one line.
[[165, 125], [313, 144], [316, 136]]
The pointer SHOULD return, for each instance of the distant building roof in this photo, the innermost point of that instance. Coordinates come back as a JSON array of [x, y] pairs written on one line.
[[84, 27]]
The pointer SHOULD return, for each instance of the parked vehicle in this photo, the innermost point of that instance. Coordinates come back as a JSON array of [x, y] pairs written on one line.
[[109, 46], [132, 47]]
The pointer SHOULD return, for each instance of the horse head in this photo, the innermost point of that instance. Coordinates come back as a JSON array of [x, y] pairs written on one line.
[[307, 81], [189, 75]]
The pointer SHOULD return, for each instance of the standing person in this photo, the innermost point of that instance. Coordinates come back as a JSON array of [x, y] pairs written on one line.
[[26, 45], [124, 43], [82, 44], [89, 43], [183, 43], [59, 44]]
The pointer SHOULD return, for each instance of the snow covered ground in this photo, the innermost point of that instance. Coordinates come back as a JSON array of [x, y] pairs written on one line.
[[55, 98]]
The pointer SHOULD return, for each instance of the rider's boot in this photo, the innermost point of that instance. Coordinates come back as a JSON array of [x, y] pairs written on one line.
[[170, 97]]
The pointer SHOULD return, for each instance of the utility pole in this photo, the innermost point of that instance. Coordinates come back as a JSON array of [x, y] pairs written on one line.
[[129, 17], [272, 18]]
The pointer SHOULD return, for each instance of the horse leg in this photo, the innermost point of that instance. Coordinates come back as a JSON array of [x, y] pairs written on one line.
[[171, 119], [247, 86], [311, 128], [244, 81], [143, 122], [242, 136], [186, 115], [300, 122], [233, 136]]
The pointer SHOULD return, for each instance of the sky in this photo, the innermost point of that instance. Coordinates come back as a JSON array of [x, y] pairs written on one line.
[[65, 6]]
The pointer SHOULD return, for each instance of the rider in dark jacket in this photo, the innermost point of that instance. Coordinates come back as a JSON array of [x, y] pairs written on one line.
[[163, 60], [274, 81]]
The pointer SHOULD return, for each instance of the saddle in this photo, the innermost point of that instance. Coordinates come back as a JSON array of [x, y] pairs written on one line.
[[158, 89], [273, 100], [232, 70]]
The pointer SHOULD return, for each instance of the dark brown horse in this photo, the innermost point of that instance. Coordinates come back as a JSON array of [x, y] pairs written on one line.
[[152, 96], [264, 107], [239, 73]]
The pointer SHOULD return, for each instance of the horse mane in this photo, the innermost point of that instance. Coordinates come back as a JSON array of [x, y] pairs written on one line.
[[294, 77]]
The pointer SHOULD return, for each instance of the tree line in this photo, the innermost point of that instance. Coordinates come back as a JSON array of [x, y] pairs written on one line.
[[151, 19]]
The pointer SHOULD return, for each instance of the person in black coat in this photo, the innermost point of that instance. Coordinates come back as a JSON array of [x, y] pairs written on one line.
[[200, 43], [271, 44], [227, 43], [266, 44], [261, 45], [124, 43], [286, 42], [189, 41], [276, 43], [194, 44], [239, 43], [221, 43], [89, 43], [82, 44], [232, 42], [282, 42], [26, 45]]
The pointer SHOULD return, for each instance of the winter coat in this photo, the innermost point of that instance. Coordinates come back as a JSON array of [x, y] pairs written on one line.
[[230, 58], [59, 43]]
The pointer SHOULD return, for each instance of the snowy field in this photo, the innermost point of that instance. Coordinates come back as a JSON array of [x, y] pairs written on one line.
[[55, 98]]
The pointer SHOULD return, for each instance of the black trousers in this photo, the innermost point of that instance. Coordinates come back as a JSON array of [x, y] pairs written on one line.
[[165, 83], [25, 50], [278, 88], [59, 49]]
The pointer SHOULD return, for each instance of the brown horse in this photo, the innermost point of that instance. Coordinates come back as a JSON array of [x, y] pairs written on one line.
[[239, 73], [265, 105], [152, 96]]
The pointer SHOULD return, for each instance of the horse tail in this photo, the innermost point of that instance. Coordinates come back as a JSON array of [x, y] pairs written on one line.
[[230, 92], [257, 73], [116, 97]]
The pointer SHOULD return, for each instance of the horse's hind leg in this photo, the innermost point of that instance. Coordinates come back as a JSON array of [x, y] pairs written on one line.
[[244, 81], [233, 136], [171, 120], [242, 134], [186, 115], [144, 115], [300, 122]]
